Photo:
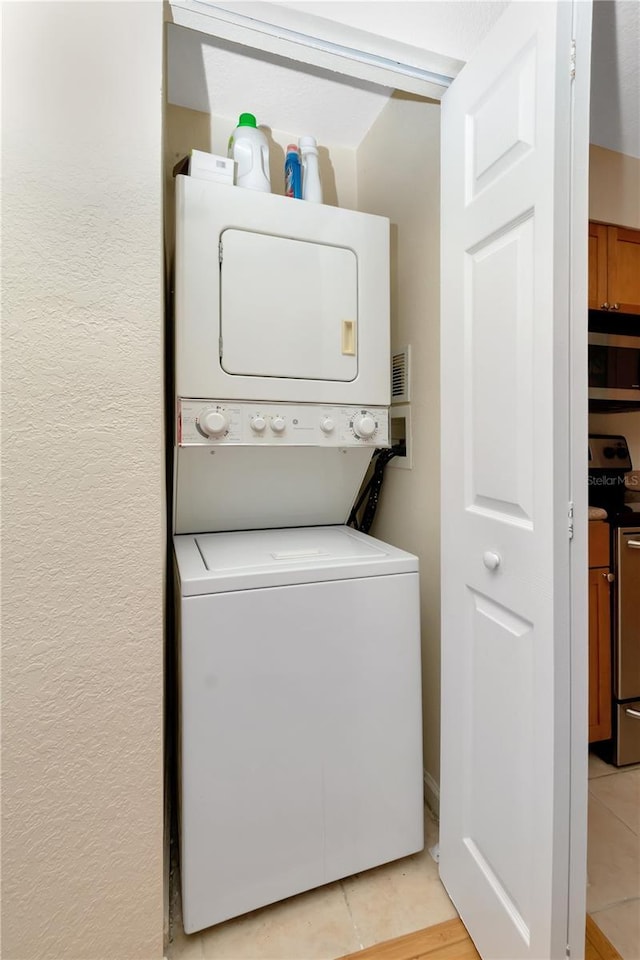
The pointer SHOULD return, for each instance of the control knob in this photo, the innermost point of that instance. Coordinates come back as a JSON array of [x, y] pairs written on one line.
[[327, 425], [214, 423], [364, 426], [278, 424], [258, 424]]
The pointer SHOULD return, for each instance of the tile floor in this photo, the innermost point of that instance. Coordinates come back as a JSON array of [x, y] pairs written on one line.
[[326, 923], [613, 863], [407, 895]]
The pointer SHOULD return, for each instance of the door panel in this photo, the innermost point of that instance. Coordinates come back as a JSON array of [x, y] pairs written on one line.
[[498, 280], [506, 468], [624, 269], [310, 290], [597, 266], [501, 687], [502, 125]]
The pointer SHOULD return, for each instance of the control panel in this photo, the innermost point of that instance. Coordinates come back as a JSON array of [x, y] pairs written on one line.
[[215, 422]]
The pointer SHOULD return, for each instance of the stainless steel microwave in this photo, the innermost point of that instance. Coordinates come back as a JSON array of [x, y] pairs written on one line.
[[614, 371]]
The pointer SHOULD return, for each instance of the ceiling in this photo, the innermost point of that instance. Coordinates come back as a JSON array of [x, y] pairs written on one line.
[[220, 77], [452, 28], [223, 78]]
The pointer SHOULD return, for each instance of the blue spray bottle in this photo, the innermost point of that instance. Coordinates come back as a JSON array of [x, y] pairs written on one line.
[[292, 173]]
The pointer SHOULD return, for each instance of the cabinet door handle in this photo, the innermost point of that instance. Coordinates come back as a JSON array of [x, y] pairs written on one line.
[[605, 306], [615, 306], [609, 577], [491, 560], [633, 713], [634, 544]]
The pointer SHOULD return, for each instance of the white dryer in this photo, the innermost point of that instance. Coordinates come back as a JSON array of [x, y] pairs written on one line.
[[279, 300], [300, 732]]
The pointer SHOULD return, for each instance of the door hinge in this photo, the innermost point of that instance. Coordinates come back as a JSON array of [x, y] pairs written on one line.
[[572, 60], [220, 347], [219, 251], [570, 514]]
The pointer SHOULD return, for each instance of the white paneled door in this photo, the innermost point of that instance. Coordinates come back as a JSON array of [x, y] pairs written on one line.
[[512, 165]]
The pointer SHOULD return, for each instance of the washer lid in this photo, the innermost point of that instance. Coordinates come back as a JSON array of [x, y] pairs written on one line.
[[247, 559]]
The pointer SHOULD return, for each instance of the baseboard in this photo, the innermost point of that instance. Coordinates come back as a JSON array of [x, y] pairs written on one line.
[[432, 795]]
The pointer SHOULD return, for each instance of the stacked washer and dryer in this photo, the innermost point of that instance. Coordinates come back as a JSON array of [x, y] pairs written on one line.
[[298, 637]]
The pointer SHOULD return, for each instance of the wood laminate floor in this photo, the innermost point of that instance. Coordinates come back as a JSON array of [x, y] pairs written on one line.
[[450, 941]]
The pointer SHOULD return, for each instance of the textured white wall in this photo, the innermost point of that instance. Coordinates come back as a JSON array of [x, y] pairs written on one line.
[[399, 177], [83, 518]]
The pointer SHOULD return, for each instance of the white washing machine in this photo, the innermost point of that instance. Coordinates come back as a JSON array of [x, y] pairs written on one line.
[[300, 732]]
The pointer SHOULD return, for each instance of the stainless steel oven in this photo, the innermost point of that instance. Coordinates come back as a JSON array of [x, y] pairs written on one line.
[[609, 464], [626, 647], [614, 371]]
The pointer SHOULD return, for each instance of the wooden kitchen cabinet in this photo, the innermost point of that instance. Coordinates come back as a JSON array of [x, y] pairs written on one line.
[[599, 632], [597, 265], [614, 269], [623, 269]]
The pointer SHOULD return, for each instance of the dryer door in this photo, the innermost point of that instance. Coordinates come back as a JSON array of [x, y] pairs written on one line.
[[312, 290]]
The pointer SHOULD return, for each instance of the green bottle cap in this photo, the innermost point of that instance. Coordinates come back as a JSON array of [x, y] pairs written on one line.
[[247, 120]]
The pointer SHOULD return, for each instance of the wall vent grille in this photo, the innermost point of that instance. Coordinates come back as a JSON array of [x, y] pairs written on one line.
[[400, 375]]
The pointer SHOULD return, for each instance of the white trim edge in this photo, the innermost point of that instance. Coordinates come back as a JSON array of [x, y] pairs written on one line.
[[315, 41]]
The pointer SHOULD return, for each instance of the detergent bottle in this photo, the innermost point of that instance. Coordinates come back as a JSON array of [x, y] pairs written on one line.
[[292, 173], [248, 146], [311, 186]]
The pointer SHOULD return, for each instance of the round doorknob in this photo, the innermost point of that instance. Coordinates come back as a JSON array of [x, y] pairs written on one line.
[[609, 577], [491, 559]]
